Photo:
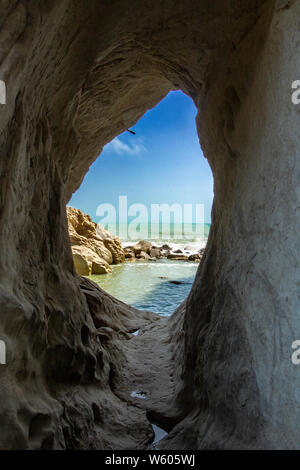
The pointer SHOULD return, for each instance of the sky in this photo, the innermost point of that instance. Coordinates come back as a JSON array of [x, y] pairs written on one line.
[[162, 163]]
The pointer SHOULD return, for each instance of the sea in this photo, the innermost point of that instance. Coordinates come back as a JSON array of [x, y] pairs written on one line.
[[159, 286]]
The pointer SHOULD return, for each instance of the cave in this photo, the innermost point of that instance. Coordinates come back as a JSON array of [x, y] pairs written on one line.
[[77, 74]]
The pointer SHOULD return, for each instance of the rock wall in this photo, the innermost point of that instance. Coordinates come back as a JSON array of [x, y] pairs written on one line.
[[78, 74], [242, 314]]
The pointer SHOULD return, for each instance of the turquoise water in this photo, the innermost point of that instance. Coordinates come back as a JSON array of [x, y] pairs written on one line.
[[178, 234], [147, 285]]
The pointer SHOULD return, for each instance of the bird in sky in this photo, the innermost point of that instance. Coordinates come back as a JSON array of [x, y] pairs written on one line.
[[131, 132]]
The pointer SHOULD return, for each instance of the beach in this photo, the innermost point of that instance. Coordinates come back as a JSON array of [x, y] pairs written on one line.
[[158, 286]]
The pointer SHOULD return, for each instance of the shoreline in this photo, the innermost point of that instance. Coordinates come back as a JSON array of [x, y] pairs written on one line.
[[95, 250], [158, 286], [146, 251]]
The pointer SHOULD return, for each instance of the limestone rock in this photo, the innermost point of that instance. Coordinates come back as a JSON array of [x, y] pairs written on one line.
[[115, 247], [129, 253], [155, 253], [102, 233], [92, 242], [84, 256], [177, 257], [194, 257], [166, 247], [143, 255], [142, 245], [100, 268], [81, 264]]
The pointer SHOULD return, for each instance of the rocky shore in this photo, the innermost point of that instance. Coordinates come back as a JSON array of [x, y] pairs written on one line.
[[145, 251], [94, 249]]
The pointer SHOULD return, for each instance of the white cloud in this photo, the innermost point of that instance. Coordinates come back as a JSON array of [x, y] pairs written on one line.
[[121, 148]]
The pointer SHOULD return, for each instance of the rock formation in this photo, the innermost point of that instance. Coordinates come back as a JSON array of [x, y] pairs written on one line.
[[93, 247], [218, 373], [145, 251]]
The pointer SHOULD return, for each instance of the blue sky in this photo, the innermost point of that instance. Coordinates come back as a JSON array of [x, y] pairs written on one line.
[[162, 163]]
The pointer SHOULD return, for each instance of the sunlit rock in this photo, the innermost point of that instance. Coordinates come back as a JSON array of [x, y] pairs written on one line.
[[91, 245]]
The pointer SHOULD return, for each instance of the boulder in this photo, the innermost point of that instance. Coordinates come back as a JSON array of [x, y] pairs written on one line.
[[177, 257], [129, 253], [155, 253], [84, 258], [92, 243], [131, 260], [166, 248], [102, 233], [100, 268], [194, 257], [79, 222], [115, 247], [101, 250], [81, 264], [143, 256], [142, 245]]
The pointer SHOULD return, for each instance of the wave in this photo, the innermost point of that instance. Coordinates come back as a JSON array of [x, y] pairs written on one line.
[[186, 246]]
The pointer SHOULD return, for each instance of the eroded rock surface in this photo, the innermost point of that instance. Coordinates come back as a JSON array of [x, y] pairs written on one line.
[[93, 247], [78, 74]]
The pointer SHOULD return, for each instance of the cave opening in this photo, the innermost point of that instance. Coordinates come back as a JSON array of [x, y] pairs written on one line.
[[218, 371], [152, 187]]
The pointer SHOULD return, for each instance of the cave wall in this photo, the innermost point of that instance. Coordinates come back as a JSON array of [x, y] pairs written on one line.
[[79, 74], [242, 313]]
